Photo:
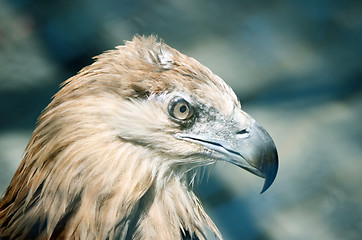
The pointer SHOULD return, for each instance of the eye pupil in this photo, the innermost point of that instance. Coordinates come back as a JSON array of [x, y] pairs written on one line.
[[183, 109]]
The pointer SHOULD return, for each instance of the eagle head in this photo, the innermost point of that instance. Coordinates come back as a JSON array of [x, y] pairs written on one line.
[[113, 154]]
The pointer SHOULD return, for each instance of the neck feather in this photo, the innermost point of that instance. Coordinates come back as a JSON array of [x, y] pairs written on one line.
[[117, 190]]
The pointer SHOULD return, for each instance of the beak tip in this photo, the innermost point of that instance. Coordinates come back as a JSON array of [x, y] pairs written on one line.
[[266, 186], [270, 171]]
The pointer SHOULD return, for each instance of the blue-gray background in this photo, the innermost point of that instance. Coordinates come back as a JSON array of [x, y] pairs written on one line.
[[295, 65]]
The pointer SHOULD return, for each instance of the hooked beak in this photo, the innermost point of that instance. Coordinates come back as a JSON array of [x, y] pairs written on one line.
[[251, 149]]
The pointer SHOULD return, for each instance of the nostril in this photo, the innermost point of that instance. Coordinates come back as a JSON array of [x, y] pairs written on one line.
[[243, 132]]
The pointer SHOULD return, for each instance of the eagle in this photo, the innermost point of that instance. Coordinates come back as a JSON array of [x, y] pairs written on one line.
[[115, 153]]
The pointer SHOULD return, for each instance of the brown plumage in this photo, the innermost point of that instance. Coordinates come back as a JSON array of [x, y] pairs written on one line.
[[114, 154]]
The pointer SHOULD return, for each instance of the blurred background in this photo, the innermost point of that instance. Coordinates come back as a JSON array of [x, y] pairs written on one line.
[[295, 65]]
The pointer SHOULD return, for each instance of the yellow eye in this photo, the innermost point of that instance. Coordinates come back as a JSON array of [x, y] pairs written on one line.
[[180, 109]]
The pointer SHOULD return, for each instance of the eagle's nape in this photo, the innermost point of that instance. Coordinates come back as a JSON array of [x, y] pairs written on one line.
[[111, 155]]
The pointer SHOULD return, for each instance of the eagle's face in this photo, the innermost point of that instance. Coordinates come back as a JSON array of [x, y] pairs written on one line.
[[176, 109], [193, 130]]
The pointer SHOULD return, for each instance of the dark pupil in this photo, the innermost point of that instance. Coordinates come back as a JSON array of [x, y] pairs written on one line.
[[183, 109]]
